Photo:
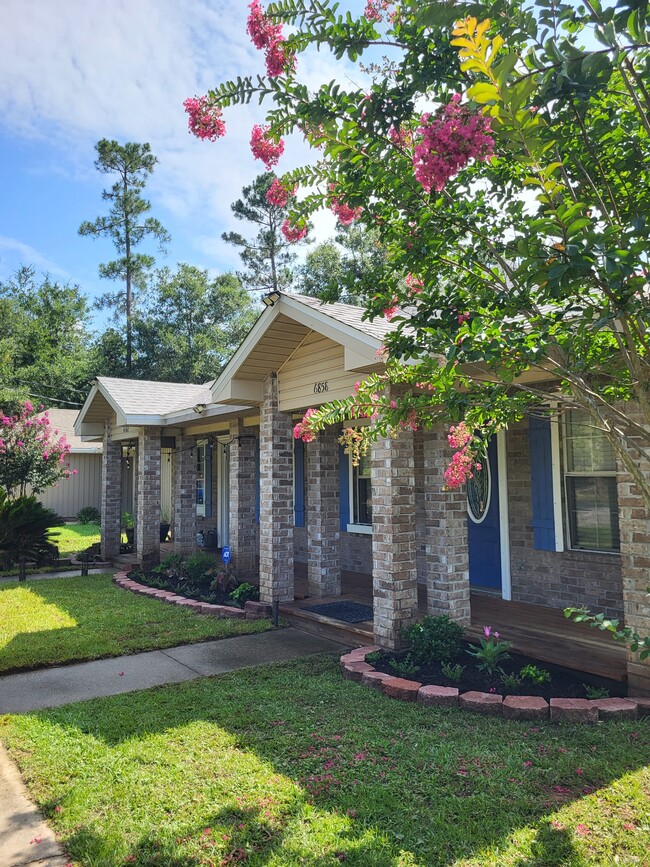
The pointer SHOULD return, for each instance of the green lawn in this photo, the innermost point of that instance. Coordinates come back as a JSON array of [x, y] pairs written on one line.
[[58, 620], [72, 538], [292, 765]]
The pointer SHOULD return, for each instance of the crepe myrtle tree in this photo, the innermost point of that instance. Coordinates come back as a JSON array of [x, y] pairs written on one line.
[[502, 152], [33, 455]]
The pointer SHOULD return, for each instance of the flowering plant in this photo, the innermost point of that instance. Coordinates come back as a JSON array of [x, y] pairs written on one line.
[[32, 455], [491, 651]]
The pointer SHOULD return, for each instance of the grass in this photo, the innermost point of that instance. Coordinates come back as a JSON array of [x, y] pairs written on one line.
[[60, 620], [292, 765], [72, 538]]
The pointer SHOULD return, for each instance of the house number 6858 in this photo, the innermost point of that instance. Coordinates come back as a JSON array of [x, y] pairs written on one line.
[[321, 387]]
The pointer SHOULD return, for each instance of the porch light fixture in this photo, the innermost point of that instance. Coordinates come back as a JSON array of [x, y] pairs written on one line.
[[199, 408], [270, 299]]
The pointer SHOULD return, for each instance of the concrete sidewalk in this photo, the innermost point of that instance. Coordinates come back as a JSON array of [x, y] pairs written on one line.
[[52, 687]]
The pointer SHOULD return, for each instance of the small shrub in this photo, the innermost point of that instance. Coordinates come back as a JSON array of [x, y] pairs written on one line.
[[453, 672], [243, 593], [404, 667], [436, 639], [200, 570], [89, 515], [535, 675], [224, 579], [511, 682], [375, 656], [594, 692], [127, 521], [170, 569]]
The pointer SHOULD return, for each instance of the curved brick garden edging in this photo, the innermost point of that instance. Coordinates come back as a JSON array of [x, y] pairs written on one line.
[[517, 707], [251, 611]]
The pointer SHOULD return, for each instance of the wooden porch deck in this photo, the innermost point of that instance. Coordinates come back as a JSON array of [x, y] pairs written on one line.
[[535, 630]]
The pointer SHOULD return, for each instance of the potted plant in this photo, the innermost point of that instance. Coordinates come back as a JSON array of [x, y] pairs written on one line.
[[164, 526], [128, 525]]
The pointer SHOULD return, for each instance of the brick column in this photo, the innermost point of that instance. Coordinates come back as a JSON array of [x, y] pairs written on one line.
[[323, 515], [276, 498], [243, 490], [183, 505], [446, 550], [634, 525], [395, 592], [111, 496], [147, 534]]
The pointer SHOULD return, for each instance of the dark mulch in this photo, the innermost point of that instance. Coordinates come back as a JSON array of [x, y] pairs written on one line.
[[348, 612], [564, 683], [183, 588]]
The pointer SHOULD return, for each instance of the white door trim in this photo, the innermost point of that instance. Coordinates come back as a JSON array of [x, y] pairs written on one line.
[[504, 516]]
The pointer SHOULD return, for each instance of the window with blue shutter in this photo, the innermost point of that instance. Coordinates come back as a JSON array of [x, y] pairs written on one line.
[[344, 486], [299, 483], [541, 480]]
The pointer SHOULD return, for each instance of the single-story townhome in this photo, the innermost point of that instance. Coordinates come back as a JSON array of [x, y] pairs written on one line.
[[85, 487], [550, 521]]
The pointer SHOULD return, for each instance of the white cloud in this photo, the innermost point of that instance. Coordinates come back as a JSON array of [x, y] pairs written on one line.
[[74, 71], [14, 253]]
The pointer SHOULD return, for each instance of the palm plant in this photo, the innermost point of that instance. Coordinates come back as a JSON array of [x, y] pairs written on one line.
[[25, 531]]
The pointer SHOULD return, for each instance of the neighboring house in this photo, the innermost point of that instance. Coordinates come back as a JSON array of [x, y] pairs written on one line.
[[551, 520], [80, 490]]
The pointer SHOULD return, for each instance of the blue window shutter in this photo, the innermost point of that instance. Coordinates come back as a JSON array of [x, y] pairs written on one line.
[[299, 483], [541, 478], [208, 480], [344, 486], [257, 482]]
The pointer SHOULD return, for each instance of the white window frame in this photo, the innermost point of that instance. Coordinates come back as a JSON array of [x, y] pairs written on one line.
[[354, 527], [201, 447], [566, 473]]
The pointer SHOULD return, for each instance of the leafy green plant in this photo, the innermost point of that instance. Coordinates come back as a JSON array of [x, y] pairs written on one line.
[[25, 526], [375, 656], [243, 593], [627, 635], [453, 672], [200, 570], [170, 569], [490, 652], [511, 681], [225, 580], [535, 675], [127, 521], [406, 667], [594, 692], [89, 515], [435, 639]]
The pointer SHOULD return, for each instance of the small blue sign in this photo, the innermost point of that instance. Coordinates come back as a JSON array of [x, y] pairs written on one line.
[[225, 554]]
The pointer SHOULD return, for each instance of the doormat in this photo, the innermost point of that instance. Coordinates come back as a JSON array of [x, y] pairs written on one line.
[[348, 612]]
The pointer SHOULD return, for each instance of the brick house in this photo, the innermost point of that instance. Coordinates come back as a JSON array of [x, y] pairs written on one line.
[[551, 520]]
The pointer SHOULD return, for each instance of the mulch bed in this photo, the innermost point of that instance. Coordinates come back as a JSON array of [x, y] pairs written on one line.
[[564, 683]]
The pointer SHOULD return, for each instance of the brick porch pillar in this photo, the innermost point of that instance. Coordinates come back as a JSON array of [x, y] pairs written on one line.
[[243, 487], [276, 498], [634, 525], [446, 564], [147, 535], [323, 515], [395, 592], [183, 506], [111, 496]]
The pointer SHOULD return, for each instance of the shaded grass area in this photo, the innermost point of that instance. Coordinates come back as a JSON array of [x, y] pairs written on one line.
[[60, 620], [292, 765], [72, 538]]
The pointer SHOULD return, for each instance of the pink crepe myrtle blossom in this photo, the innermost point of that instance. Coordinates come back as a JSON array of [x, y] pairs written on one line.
[[400, 137], [392, 310], [341, 210], [278, 194], [268, 37], [462, 317], [375, 9], [293, 233], [303, 430], [446, 142], [459, 435], [205, 119], [263, 146], [414, 285]]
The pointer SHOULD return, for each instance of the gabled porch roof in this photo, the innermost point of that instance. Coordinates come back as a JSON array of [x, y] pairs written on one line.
[[279, 331]]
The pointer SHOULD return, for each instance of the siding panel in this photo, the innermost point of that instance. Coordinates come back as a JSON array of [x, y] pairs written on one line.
[[317, 359], [84, 489]]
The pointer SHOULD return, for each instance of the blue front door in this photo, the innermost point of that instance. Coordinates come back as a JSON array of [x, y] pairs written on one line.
[[483, 523]]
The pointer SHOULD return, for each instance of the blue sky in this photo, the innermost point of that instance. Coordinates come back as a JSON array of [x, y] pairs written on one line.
[[75, 71]]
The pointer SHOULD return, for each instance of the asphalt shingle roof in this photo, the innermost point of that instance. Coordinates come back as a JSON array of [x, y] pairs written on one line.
[[145, 397], [348, 314]]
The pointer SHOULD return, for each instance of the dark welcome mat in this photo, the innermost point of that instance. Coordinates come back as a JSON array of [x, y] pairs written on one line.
[[349, 612]]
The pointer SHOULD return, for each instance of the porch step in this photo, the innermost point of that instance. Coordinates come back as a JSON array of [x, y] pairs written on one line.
[[352, 634]]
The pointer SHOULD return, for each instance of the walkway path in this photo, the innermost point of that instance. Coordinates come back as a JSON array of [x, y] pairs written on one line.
[[25, 838], [51, 687]]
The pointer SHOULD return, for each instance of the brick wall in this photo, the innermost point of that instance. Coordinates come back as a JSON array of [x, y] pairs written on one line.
[[184, 483], [555, 579], [243, 527], [147, 532], [111, 496]]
